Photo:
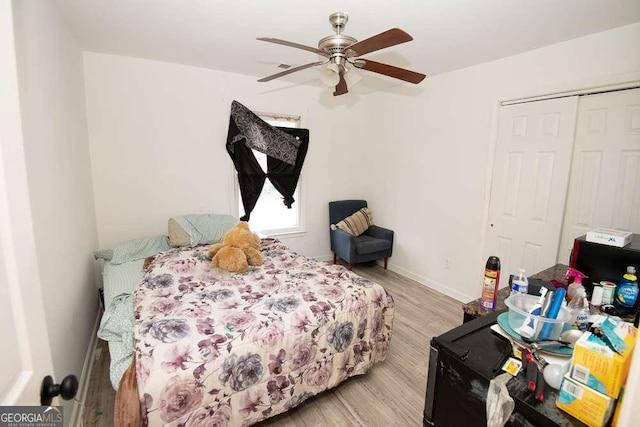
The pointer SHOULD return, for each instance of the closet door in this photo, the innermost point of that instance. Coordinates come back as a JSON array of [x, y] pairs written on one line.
[[529, 183], [604, 188]]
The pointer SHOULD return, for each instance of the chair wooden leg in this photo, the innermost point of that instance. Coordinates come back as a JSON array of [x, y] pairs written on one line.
[[385, 262], [334, 258], [350, 266]]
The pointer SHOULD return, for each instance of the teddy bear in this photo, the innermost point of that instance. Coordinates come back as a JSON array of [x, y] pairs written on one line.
[[238, 249]]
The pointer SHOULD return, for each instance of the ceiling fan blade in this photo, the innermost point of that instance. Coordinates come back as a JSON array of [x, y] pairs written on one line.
[[296, 45], [341, 87], [290, 70], [389, 38], [389, 70]]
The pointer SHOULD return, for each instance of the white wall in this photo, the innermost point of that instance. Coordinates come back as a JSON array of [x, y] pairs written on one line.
[[50, 78], [419, 156], [158, 132], [439, 145], [422, 156]]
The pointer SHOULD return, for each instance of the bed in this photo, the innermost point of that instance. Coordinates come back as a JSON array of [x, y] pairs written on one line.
[[216, 348], [118, 322]]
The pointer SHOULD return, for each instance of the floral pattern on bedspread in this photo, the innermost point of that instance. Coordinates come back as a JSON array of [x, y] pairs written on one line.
[[215, 348]]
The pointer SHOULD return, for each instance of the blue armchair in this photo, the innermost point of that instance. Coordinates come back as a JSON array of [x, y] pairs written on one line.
[[375, 243]]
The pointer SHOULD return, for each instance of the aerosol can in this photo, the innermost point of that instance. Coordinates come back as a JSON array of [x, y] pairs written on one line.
[[490, 283]]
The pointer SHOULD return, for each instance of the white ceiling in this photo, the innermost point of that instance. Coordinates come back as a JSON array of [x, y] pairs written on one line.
[[448, 34]]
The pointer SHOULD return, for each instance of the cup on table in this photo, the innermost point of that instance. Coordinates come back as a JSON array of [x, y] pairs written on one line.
[[608, 292], [596, 296]]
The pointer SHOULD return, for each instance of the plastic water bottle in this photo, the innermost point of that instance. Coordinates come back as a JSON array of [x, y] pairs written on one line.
[[520, 283]]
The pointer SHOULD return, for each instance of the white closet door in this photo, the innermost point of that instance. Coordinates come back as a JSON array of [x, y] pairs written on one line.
[[529, 183], [604, 188]]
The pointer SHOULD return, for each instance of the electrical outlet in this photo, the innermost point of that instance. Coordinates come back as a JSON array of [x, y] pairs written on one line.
[[447, 263]]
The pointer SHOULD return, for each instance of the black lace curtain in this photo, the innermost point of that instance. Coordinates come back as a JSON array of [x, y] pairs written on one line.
[[285, 148]]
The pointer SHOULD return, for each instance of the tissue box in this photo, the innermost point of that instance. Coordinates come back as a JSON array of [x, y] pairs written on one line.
[[597, 365], [609, 237], [584, 403]]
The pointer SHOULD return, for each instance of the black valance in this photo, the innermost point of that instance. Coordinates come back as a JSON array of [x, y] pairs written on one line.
[[285, 148]]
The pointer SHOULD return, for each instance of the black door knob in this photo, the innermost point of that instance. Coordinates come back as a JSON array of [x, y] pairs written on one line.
[[67, 389]]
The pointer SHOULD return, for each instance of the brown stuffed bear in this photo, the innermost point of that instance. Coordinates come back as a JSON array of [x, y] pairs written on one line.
[[238, 249]]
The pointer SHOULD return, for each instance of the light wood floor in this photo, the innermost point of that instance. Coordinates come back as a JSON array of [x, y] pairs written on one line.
[[392, 393]]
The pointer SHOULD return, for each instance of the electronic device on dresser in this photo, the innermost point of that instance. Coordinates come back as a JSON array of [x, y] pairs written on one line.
[[603, 262]]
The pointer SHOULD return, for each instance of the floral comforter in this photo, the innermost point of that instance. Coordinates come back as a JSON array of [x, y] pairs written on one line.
[[220, 348]]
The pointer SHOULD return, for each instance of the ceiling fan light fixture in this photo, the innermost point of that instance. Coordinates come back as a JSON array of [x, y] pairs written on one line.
[[343, 52], [330, 76], [352, 77]]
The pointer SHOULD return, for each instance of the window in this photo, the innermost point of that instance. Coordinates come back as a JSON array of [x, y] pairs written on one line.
[[270, 215]]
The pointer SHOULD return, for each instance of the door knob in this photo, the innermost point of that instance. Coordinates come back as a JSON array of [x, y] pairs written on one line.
[[67, 389]]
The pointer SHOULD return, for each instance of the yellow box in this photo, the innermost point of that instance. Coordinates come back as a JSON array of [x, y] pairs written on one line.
[[595, 364], [584, 403]]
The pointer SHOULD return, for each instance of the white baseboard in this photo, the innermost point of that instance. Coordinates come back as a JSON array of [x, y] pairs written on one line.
[[429, 283], [425, 281], [76, 413]]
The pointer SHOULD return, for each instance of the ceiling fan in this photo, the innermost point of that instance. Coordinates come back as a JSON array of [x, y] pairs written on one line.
[[343, 53]]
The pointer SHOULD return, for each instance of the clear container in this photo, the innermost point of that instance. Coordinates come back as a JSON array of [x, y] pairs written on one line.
[[519, 306]]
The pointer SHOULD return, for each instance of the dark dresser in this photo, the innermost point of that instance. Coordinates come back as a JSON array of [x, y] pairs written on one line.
[[462, 362]]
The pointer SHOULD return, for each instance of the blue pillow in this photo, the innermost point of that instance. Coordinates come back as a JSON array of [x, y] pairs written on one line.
[[133, 250]]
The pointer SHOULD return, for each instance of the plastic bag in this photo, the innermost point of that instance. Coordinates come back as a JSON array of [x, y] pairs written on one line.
[[499, 404]]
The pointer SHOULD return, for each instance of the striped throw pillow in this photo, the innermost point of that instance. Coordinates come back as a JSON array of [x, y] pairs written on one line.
[[357, 223]]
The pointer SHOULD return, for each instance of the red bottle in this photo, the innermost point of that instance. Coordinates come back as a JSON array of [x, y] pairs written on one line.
[[491, 283]]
